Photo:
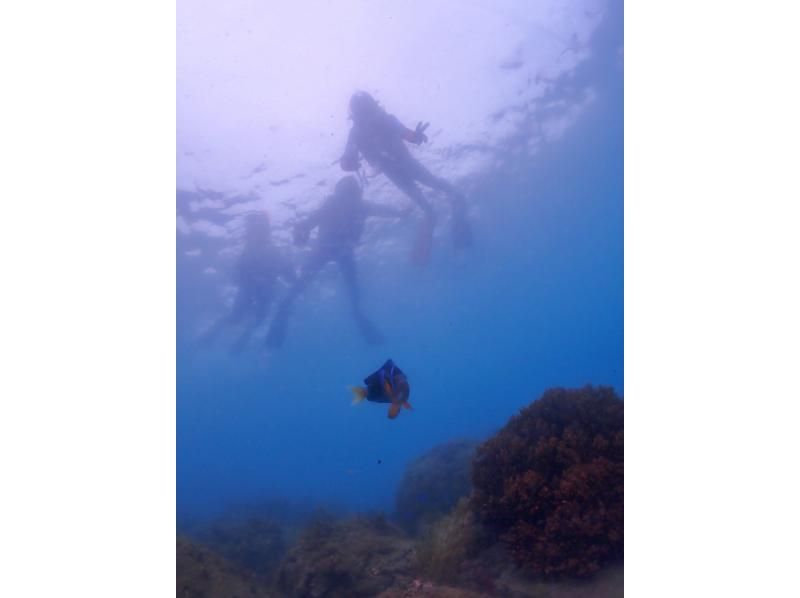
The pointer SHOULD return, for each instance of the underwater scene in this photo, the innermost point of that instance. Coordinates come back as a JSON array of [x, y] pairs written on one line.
[[399, 299]]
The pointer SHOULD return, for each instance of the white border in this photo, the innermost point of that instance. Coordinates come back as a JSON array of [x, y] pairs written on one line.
[[88, 320], [88, 427]]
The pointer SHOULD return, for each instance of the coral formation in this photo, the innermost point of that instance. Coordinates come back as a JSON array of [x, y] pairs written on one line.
[[354, 558], [202, 574], [433, 483], [550, 483]]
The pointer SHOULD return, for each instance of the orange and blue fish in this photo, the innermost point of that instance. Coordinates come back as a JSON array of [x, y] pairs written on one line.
[[387, 385]]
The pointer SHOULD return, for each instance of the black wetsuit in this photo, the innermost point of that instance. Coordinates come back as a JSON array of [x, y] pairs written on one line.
[[381, 139], [341, 221]]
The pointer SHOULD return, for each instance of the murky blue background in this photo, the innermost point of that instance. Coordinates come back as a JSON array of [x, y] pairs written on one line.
[[537, 302]]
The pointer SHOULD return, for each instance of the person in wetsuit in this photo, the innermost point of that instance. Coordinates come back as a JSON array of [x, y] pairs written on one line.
[[380, 138], [340, 222], [257, 269]]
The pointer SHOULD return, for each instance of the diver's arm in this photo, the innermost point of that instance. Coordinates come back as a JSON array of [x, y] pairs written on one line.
[[416, 136], [349, 160]]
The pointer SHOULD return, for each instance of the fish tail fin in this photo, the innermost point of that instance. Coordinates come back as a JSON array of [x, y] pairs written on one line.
[[359, 394], [394, 410]]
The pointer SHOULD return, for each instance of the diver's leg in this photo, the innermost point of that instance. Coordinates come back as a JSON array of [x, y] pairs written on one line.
[[424, 241], [405, 182], [277, 328], [461, 230], [421, 174], [347, 266]]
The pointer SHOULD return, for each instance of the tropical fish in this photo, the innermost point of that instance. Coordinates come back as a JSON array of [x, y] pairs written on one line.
[[387, 385]]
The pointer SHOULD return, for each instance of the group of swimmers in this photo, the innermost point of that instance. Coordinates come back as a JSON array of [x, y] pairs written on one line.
[[379, 138]]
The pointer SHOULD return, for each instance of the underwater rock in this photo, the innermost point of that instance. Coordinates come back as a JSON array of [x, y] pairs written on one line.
[[202, 574], [254, 542], [354, 558], [550, 483], [433, 483]]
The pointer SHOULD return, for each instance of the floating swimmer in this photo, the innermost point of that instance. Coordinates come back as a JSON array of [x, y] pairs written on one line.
[[387, 385]]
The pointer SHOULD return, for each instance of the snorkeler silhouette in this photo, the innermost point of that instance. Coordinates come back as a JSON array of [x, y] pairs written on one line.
[[341, 222], [257, 269], [379, 137]]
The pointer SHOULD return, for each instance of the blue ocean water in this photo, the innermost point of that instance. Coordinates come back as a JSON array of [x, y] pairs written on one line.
[[537, 302]]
